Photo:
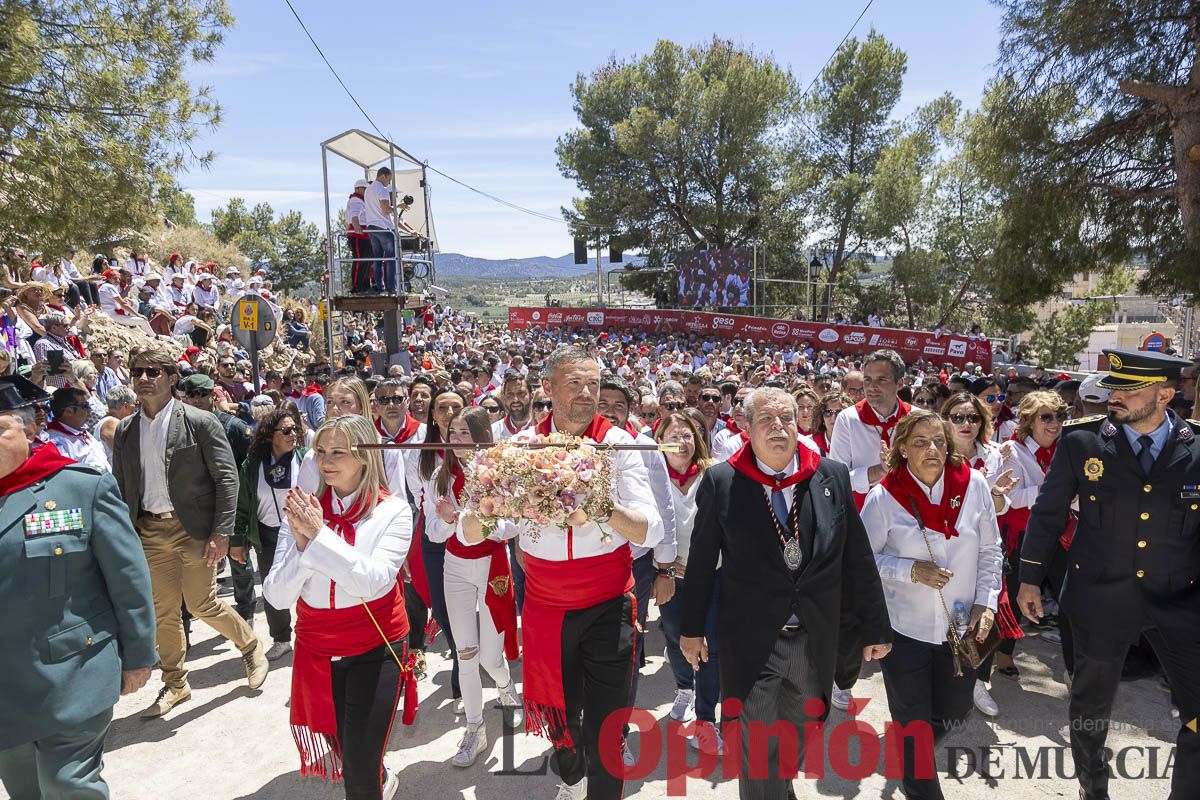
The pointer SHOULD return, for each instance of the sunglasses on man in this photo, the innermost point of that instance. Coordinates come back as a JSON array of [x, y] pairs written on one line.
[[543, 405], [149, 372], [672, 406], [392, 400], [196, 393]]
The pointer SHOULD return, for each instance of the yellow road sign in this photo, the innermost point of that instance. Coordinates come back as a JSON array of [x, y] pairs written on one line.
[[324, 310], [248, 318], [1191, 725]]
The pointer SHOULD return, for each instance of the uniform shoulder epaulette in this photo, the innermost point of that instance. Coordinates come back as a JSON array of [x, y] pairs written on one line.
[[1085, 420], [88, 468]]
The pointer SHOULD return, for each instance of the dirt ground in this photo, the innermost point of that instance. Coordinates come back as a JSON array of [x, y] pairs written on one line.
[[228, 742]]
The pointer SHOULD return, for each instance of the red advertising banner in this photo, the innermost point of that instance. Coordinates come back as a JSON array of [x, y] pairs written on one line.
[[850, 339]]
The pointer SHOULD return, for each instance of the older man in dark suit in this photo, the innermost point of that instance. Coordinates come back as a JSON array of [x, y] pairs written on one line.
[[177, 473], [794, 552]]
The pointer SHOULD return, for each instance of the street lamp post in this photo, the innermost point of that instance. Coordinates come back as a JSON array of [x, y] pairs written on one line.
[[814, 272]]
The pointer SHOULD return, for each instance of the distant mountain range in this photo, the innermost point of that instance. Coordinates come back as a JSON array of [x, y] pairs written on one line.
[[458, 265]]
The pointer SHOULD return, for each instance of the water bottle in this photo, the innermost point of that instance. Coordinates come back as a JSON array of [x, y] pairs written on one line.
[[961, 618]]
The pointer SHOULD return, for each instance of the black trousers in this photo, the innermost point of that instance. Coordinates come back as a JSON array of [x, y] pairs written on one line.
[[518, 575], [1098, 663], [922, 687], [644, 572], [1056, 573], [597, 667], [366, 691], [418, 617], [279, 620], [849, 656], [360, 250], [434, 555]]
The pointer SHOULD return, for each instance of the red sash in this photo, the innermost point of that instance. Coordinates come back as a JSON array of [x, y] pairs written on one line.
[[940, 518], [320, 635], [552, 588]]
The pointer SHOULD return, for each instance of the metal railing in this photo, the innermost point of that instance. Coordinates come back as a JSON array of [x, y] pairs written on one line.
[[411, 268]]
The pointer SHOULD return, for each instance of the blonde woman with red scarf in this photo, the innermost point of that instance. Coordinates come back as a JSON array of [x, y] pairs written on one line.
[[685, 468], [338, 559], [1040, 418], [478, 584], [933, 529]]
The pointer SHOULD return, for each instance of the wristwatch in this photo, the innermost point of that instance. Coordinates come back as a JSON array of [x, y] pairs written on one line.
[[667, 572]]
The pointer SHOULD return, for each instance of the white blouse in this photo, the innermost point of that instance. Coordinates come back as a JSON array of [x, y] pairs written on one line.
[[1027, 471], [993, 466], [975, 557], [685, 518], [366, 570]]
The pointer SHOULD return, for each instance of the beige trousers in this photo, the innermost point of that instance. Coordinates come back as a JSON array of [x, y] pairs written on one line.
[[179, 574]]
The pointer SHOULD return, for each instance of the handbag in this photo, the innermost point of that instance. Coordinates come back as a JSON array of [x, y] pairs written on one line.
[[967, 652]]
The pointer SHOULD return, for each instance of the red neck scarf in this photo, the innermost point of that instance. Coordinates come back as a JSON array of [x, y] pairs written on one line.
[[41, 464], [868, 417], [313, 388], [631, 429], [57, 426], [682, 478], [596, 431], [1044, 455], [820, 441], [940, 518], [407, 430], [745, 462], [322, 634], [509, 426], [732, 426]]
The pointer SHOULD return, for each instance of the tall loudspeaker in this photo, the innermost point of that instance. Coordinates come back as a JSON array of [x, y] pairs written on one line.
[[614, 254], [581, 251]]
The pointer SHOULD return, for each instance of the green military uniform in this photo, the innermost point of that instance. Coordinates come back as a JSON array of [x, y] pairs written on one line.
[[75, 611]]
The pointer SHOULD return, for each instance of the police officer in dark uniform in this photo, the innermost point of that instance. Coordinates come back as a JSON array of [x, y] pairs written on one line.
[[1134, 565]]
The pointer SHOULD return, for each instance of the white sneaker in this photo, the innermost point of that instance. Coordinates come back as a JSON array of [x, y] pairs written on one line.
[[841, 698], [510, 699], [626, 754], [576, 792], [681, 709], [278, 650], [391, 784], [707, 739], [459, 709], [984, 701], [473, 743]]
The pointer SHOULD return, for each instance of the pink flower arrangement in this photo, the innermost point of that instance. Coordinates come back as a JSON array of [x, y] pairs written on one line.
[[544, 485]]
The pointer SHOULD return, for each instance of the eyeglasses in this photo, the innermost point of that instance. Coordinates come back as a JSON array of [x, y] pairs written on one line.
[[829, 413], [1061, 416], [959, 419], [149, 372], [541, 405], [84, 406], [672, 406], [493, 409], [194, 393], [288, 431], [227, 364], [392, 400], [927, 402], [680, 438], [710, 398]]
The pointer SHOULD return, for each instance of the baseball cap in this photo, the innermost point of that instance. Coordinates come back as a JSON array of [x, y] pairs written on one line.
[[361, 184], [1091, 391]]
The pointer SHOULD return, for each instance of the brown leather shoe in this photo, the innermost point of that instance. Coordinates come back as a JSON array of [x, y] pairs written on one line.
[[167, 699], [256, 665]]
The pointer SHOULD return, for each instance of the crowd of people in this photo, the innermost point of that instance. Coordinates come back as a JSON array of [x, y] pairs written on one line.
[[815, 511]]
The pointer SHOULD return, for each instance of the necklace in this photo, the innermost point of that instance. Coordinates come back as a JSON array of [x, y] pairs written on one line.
[[791, 547]]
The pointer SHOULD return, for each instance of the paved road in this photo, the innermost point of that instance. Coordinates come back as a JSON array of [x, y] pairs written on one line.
[[228, 742]]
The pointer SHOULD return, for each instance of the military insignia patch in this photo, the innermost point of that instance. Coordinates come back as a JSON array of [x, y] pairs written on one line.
[[42, 524], [1114, 361], [1093, 468], [1185, 433]]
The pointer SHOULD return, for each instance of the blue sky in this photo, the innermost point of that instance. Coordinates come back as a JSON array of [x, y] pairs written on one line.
[[481, 90]]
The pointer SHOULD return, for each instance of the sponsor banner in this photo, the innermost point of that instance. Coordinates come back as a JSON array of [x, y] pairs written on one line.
[[849, 339]]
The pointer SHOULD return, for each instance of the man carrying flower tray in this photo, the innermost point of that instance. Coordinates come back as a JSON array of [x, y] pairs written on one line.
[[576, 510]]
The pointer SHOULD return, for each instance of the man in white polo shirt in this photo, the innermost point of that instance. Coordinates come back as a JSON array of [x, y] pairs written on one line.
[[377, 211]]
